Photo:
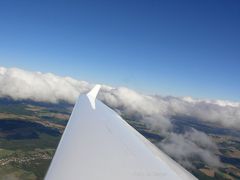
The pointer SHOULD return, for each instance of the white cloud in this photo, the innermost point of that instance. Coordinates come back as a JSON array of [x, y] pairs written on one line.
[[133, 104], [19, 84], [162, 108], [183, 147]]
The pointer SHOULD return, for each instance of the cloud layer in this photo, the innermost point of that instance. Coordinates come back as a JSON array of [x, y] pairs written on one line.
[[160, 109], [19, 84], [154, 111]]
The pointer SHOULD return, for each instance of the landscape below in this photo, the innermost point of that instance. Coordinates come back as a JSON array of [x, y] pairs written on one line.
[[30, 132]]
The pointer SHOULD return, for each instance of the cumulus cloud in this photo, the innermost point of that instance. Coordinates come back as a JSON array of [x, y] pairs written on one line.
[[160, 109], [19, 84], [191, 146], [135, 105], [220, 112], [155, 111]]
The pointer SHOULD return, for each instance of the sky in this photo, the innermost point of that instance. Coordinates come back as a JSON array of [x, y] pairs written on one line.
[[180, 48]]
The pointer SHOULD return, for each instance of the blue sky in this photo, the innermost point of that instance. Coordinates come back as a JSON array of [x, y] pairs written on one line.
[[183, 48]]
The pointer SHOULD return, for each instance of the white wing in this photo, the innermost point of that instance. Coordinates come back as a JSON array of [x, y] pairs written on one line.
[[98, 144]]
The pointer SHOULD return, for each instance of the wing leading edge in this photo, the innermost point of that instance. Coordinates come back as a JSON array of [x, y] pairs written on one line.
[[98, 144]]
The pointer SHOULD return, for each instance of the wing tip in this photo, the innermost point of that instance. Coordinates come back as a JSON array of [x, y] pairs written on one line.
[[92, 95]]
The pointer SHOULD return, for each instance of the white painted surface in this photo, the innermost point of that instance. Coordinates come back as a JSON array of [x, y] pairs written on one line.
[[92, 95], [98, 144]]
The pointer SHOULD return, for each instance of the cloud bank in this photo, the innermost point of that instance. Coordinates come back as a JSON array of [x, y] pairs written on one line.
[[19, 84], [160, 109], [155, 111]]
